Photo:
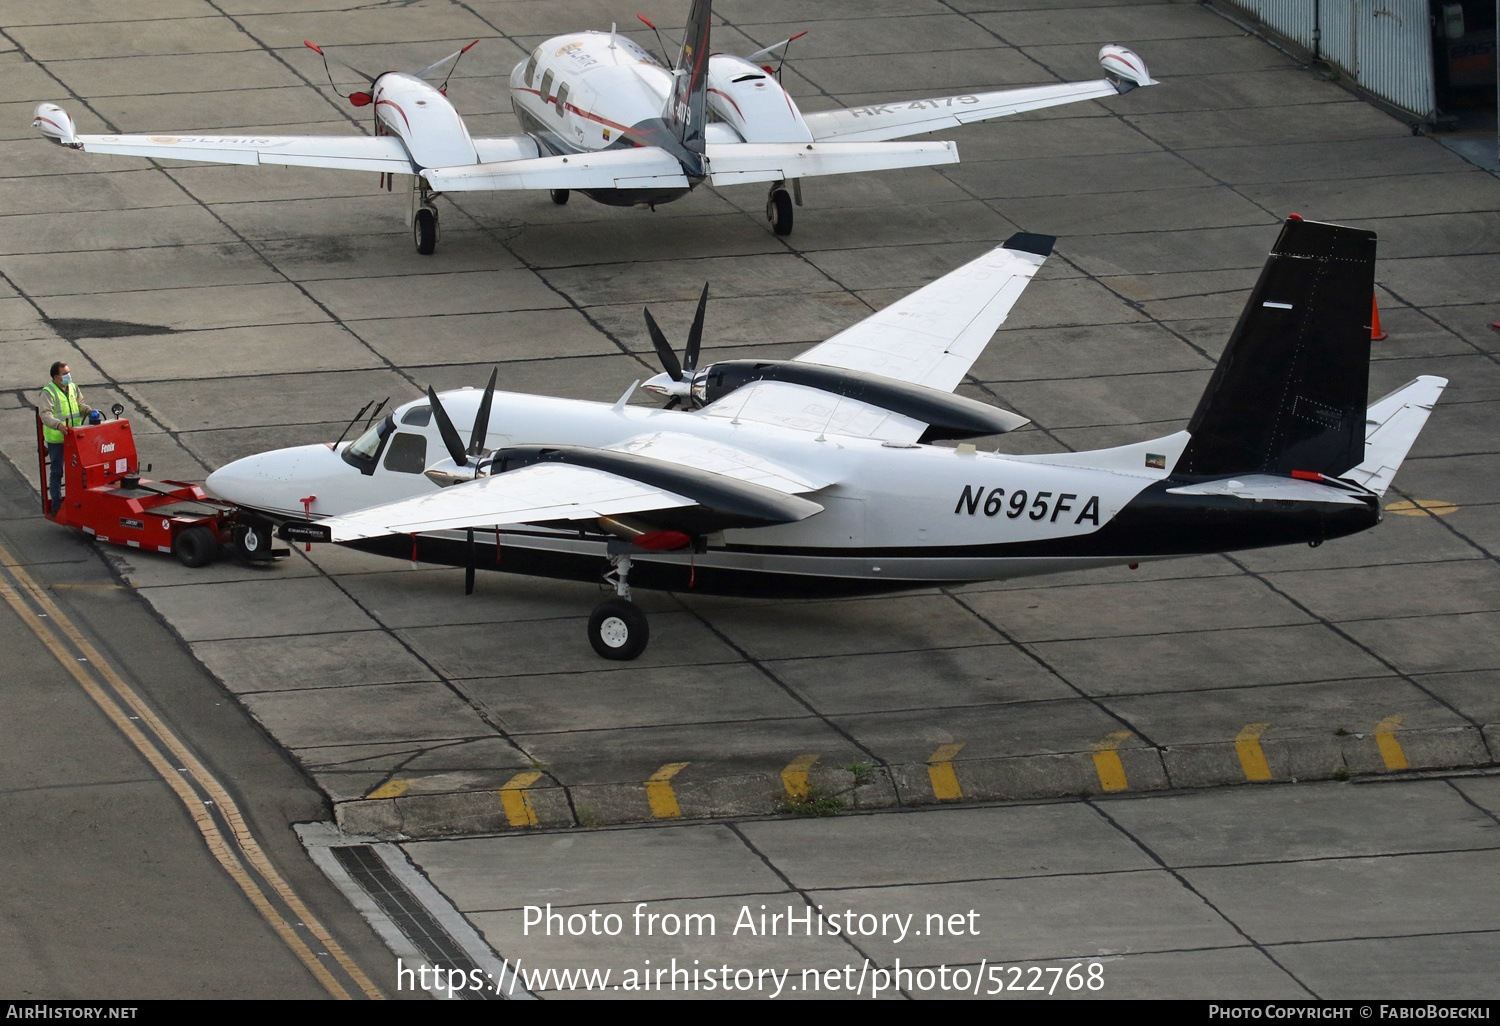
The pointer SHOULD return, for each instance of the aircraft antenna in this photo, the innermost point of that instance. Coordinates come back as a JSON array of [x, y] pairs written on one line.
[[658, 36]]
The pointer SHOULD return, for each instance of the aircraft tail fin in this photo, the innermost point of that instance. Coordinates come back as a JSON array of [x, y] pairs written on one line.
[[1289, 392], [689, 114]]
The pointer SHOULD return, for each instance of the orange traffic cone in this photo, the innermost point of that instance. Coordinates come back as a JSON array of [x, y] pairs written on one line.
[[1376, 334]]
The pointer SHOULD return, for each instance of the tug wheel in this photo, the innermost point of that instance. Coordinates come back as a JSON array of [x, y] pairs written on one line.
[[618, 629], [195, 546]]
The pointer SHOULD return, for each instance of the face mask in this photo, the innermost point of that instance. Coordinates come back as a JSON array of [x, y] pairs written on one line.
[[66, 379]]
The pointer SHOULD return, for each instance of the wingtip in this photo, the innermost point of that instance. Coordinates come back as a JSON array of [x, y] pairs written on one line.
[[1026, 242]]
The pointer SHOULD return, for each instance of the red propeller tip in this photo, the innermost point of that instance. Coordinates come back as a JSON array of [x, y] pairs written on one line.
[[646, 20], [310, 46], [469, 47], [799, 35]]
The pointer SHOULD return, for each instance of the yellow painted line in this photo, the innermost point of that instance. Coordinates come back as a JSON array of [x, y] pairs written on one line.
[[518, 807], [1252, 758], [1422, 508], [940, 771], [1107, 761], [794, 777], [659, 791], [390, 789], [1390, 748], [172, 772]]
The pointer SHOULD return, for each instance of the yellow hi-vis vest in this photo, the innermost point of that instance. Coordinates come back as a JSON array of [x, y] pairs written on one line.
[[67, 406]]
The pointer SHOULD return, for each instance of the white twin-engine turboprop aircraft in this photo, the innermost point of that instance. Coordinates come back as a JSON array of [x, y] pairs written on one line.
[[602, 116], [812, 475]]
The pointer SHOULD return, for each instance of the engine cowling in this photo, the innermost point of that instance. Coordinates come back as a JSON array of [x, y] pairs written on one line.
[[752, 102]]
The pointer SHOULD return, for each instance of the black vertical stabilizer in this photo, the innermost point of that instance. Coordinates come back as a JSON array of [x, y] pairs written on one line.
[[690, 89], [1290, 391]]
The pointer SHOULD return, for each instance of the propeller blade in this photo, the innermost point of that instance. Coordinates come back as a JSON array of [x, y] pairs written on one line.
[[482, 419], [451, 57], [695, 334], [454, 443], [755, 57], [669, 362], [362, 74]]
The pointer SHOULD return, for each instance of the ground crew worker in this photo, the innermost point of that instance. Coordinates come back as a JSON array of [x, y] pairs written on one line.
[[62, 407]]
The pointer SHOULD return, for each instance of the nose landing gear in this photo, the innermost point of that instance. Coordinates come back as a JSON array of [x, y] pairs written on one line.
[[617, 628]]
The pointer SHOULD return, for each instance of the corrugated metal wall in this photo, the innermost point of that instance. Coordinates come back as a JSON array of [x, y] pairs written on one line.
[[1384, 45]]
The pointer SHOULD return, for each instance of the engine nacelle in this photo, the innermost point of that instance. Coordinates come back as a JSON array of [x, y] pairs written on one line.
[[752, 102], [423, 119], [55, 123], [947, 415], [1124, 67]]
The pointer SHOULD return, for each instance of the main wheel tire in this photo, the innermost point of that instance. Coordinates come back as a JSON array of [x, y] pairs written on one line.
[[560, 197], [618, 629], [252, 542], [195, 546], [424, 230], [779, 212]]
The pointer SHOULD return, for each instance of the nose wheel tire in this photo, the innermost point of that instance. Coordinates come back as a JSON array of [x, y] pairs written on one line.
[[560, 197], [424, 230], [779, 211], [618, 629], [252, 542]]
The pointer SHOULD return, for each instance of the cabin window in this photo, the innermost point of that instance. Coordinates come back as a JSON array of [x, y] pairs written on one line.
[[562, 98], [407, 453], [546, 86], [417, 416], [365, 450], [531, 70]]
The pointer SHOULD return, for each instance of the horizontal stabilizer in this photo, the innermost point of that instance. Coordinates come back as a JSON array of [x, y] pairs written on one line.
[[1391, 427], [740, 163], [645, 167]]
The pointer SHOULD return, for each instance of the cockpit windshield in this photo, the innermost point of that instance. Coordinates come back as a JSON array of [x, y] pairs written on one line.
[[365, 450]]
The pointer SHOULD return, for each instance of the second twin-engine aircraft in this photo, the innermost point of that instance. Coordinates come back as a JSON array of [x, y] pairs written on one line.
[[602, 116], [814, 474]]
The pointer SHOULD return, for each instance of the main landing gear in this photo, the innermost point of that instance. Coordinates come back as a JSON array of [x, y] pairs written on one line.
[[560, 197], [424, 218], [779, 206], [617, 627]]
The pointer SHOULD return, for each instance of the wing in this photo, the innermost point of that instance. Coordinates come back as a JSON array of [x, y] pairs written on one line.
[[933, 336], [882, 121], [644, 167], [1123, 68], [343, 152], [654, 473], [1391, 426]]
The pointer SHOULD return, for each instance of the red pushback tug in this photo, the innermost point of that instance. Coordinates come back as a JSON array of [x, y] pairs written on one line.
[[105, 496]]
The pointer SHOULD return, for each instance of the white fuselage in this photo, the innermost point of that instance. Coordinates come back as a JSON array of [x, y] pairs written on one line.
[[593, 91], [911, 513]]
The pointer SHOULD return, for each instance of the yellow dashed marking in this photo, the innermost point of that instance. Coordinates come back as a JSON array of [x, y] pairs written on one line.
[[1422, 507], [1247, 744], [1390, 748], [660, 794], [1107, 761], [940, 770], [390, 789], [518, 807], [794, 777]]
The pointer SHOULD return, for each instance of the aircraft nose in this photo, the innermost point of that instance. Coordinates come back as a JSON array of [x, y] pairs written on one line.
[[262, 481]]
